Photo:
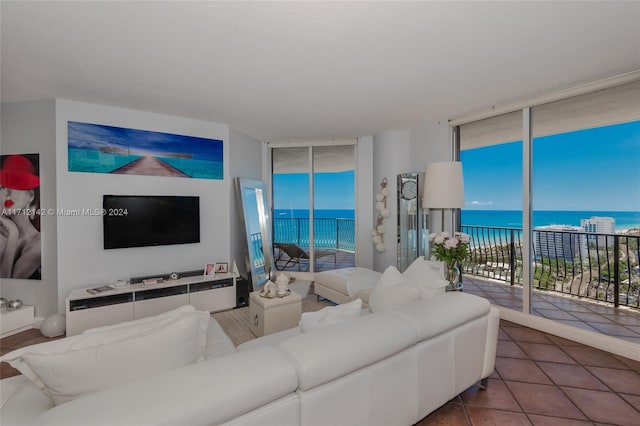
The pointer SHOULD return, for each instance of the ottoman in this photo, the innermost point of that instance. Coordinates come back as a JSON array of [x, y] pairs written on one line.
[[267, 316], [344, 285]]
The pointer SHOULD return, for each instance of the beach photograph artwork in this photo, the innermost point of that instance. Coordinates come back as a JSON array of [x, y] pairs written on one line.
[[96, 148]]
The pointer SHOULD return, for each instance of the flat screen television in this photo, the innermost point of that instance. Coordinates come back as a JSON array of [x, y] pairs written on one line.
[[144, 220]]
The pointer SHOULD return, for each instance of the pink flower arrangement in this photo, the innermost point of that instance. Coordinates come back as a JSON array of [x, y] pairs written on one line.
[[450, 249]]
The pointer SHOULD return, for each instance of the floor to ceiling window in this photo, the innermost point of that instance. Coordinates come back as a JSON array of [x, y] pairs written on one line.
[[314, 207], [586, 204], [491, 154], [584, 192]]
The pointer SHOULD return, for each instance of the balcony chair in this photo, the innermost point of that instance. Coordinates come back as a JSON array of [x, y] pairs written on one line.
[[297, 256]]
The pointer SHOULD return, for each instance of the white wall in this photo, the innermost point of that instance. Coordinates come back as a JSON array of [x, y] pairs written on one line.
[[402, 151], [429, 144], [29, 128], [82, 261], [245, 160], [364, 206]]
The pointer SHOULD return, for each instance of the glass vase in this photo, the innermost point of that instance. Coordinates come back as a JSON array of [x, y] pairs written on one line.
[[453, 275]]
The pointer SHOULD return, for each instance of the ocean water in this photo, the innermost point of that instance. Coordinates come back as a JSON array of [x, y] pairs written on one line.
[[332, 228], [87, 160], [202, 169], [319, 213], [513, 218]]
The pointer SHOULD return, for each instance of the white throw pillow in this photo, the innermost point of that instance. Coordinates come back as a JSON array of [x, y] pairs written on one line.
[[111, 334], [144, 322], [72, 374], [330, 315], [428, 275], [393, 290]]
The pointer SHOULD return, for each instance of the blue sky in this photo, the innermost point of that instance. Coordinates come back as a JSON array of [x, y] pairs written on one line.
[[142, 142], [592, 169], [334, 191]]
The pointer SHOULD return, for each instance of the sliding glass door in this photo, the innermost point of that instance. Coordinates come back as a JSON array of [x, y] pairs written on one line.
[[580, 176], [314, 208]]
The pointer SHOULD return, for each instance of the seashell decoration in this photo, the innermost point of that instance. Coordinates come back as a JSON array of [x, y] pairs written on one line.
[[377, 235], [15, 304]]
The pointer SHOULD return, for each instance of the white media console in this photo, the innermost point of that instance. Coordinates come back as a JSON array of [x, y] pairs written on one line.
[[134, 301]]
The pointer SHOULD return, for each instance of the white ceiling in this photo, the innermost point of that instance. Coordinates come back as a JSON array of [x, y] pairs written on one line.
[[285, 70]]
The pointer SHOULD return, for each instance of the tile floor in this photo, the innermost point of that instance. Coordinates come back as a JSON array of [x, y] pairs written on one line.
[[541, 379], [622, 322]]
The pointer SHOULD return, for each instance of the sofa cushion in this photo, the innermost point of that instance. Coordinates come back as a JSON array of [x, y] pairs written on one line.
[[428, 275], [330, 315], [143, 324], [441, 313], [218, 343], [206, 393], [332, 352], [106, 335], [22, 401], [73, 374], [71, 367], [393, 290]]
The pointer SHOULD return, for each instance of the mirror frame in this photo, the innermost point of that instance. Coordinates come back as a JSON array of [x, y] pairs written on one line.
[[256, 277]]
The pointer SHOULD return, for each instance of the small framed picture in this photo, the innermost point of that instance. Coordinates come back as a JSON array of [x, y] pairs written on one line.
[[209, 269], [222, 268]]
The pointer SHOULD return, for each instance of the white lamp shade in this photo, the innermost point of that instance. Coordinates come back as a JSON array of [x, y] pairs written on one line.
[[443, 186]]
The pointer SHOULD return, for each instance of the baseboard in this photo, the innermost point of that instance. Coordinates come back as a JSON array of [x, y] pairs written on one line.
[[590, 338], [37, 322]]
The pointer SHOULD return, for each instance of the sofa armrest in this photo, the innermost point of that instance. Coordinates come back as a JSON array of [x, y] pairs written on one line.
[[210, 392], [492, 342]]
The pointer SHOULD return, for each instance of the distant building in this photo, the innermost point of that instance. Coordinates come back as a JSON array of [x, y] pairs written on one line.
[[559, 242], [599, 225]]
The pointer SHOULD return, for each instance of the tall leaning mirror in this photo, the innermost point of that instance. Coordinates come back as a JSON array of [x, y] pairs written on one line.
[[252, 199]]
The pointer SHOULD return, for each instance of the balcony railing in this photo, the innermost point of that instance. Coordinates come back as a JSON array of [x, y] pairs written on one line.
[[329, 233], [602, 267]]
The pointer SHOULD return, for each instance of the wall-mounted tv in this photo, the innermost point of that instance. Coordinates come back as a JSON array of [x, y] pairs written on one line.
[[144, 220]]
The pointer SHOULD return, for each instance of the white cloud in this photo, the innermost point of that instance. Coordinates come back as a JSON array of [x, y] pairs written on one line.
[[481, 203]]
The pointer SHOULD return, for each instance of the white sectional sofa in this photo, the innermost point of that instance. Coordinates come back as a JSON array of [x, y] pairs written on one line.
[[391, 367]]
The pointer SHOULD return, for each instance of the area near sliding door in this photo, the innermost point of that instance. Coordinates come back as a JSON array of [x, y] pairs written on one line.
[[313, 189], [573, 161]]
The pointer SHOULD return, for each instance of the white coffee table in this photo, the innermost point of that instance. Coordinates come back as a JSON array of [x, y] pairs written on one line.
[[268, 316]]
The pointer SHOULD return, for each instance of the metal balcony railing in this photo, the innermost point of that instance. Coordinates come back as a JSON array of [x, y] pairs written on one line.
[[329, 233], [602, 267]]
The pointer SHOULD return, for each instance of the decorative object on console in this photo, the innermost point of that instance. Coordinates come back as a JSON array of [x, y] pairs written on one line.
[[15, 304], [152, 281], [53, 325], [451, 250], [98, 290], [377, 235], [222, 268], [174, 276], [209, 269]]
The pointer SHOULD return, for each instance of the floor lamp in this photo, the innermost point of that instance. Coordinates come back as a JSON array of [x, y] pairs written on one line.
[[443, 187]]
